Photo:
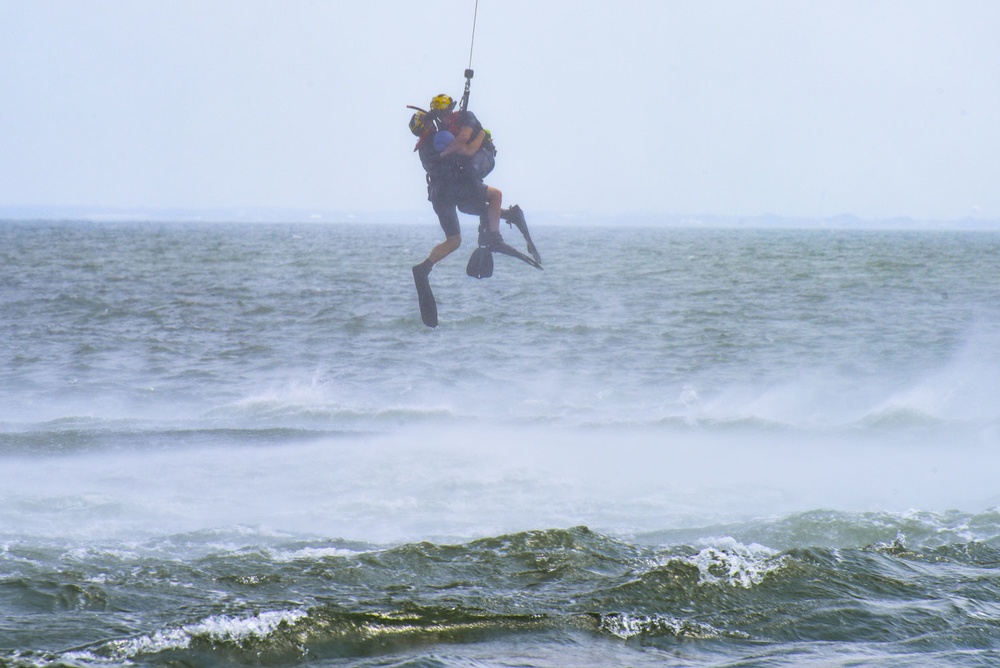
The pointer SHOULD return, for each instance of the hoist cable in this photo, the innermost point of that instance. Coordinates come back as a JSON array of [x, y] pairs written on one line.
[[475, 15], [468, 73]]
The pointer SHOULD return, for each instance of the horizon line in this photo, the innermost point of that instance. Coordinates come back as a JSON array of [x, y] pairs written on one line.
[[71, 213]]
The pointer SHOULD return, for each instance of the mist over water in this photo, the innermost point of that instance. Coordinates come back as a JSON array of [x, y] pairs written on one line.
[[456, 483], [727, 403]]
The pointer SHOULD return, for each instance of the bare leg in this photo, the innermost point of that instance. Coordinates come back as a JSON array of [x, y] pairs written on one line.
[[445, 248], [494, 199]]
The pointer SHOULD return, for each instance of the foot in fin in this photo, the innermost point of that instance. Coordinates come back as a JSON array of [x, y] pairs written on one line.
[[515, 217], [489, 239], [492, 242], [428, 307]]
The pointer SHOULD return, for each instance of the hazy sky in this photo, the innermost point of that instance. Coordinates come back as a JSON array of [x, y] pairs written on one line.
[[877, 108]]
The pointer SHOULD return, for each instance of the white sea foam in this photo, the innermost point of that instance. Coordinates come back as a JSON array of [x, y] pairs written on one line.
[[625, 626], [737, 565], [728, 562], [220, 628], [312, 554]]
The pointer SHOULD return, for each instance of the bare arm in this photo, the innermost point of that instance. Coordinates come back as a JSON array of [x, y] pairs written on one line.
[[465, 144]]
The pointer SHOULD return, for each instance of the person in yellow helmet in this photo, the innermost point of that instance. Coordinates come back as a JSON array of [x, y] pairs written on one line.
[[451, 186]]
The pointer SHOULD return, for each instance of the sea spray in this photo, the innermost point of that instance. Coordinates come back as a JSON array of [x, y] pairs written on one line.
[[237, 444]]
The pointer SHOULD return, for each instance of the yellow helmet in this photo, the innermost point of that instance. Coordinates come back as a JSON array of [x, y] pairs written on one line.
[[419, 123], [442, 102]]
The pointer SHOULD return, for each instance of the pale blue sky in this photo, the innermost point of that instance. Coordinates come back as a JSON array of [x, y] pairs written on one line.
[[878, 108]]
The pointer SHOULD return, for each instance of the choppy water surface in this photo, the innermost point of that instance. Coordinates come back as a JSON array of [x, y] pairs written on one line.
[[237, 444]]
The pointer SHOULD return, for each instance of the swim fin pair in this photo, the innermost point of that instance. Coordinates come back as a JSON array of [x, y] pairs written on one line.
[[481, 263]]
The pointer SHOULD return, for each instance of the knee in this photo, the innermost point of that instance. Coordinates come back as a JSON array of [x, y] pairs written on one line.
[[454, 241]]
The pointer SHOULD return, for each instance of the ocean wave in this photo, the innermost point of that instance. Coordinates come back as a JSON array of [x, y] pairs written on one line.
[[733, 564], [217, 632], [627, 626], [91, 435], [341, 415], [826, 528], [298, 600], [314, 399], [284, 637]]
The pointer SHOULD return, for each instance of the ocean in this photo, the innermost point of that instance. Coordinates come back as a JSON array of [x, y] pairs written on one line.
[[237, 445]]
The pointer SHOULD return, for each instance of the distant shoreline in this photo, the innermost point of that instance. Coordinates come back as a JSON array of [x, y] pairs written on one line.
[[633, 219]]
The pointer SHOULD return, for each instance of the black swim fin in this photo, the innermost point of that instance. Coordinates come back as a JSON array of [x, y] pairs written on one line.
[[513, 252], [480, 264], [515, 216], [428, 306]]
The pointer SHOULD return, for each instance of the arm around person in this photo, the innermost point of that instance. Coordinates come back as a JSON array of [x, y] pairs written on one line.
[[465, 144]]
